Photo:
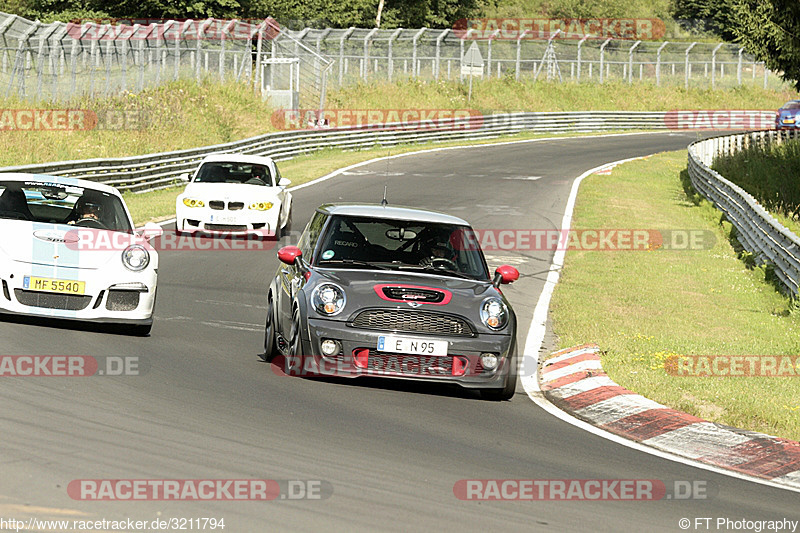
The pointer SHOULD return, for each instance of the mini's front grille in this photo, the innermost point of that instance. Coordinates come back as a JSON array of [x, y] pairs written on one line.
[[409, 294], [226, 227], [235, 206], [417, 365], [412, 321], [122, 300], [216, 204], [48, 300]]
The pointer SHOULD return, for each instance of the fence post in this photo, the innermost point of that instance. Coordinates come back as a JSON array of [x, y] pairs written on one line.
[[602, 57], [714, 65], [390, 63], [765, 74], [489, 54], [739, 67], [40, 58], [342, 39], [414, 68], [519, 47], [365, 64], [658, 63], [686, 66], [630, 60], [580, 44], [439, 50]]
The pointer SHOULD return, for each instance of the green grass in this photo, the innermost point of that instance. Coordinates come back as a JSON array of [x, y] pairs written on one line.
[[642, 307], [770, 174]]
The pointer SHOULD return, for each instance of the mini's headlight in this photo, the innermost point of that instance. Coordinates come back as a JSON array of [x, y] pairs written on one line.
[[136, 257], [261, 206], [193, 202], [328, 299], [494, 313]]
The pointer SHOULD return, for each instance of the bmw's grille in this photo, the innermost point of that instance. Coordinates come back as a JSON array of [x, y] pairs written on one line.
[[235, 206], [216, 204], [412, 321], [226, 227], [68, 302]]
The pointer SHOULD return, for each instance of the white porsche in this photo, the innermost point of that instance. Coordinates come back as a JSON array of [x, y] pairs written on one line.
[[235, 194], [69, 250]]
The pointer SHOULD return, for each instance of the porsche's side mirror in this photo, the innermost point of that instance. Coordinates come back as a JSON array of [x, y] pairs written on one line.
[[284, 182], [184, 177], [151, 230]]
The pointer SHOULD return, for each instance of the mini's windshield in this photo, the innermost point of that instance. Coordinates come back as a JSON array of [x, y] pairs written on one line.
[[361, 242], [223, 172], [57, 203]]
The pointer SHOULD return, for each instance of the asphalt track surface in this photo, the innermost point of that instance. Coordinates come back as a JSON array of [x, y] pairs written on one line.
[[207, 408]]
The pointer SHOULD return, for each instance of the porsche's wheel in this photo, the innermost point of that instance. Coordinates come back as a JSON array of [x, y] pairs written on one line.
[[269, 333], [510, 384]]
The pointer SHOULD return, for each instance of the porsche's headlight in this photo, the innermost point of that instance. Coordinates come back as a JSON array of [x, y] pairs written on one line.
[[328, 299], [261, 206], [136, 257], [193, 202], [494, 313]]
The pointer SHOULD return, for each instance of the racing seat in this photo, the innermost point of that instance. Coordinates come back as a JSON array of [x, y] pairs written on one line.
[[14, 205]]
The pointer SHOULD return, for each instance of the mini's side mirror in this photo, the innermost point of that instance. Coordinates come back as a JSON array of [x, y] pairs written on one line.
[[290, 254], [505, 274]]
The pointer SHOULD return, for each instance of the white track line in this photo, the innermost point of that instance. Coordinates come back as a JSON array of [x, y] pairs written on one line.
[[533, 344]]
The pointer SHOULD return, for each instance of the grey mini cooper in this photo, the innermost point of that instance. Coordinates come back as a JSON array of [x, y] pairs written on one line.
[[396, 292]]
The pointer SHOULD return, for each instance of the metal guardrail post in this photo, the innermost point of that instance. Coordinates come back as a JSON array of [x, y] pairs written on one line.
[[714, 65], [580, 45], [439, 51], [365, 64], [414, 68], [390, 64], [687, 66], [342, 39], [602, 57], [658, 63], [630, 60]]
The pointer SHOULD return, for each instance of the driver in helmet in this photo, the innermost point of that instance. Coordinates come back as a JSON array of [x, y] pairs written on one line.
[[441, 252], [87, 210]]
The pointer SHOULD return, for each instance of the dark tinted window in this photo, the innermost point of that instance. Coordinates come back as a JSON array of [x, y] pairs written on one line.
[[222, 172]]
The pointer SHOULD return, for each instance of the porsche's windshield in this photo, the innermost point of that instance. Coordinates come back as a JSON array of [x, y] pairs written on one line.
[[361, 242], [58, 203], [224, 172]]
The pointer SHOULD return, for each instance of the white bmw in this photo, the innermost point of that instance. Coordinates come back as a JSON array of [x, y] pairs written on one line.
[[235, 194], [69, 250]]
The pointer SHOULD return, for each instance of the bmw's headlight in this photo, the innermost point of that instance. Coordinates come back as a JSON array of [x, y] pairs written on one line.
[[261, 206], [136, 257], [494, 313], [328, 299], [193, 202]]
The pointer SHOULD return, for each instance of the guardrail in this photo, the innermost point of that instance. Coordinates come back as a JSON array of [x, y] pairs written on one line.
[[759, 232], [157, 171]]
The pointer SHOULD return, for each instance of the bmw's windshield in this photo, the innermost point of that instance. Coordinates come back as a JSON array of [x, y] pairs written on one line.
[[361, 242], [223, 172], [58, 203]]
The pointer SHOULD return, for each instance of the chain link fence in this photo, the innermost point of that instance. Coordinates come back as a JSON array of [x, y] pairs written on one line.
[[376, 54], [65, 61]]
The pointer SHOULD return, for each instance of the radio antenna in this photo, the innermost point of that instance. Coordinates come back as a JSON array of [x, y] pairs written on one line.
[[384, 202]]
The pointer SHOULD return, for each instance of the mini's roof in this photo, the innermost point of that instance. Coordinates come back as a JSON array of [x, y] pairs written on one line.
[[59, 180], [390, 212], [238, 158]]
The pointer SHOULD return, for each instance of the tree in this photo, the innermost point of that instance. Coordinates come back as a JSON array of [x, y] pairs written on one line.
[[768, 29], [716, 16]]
